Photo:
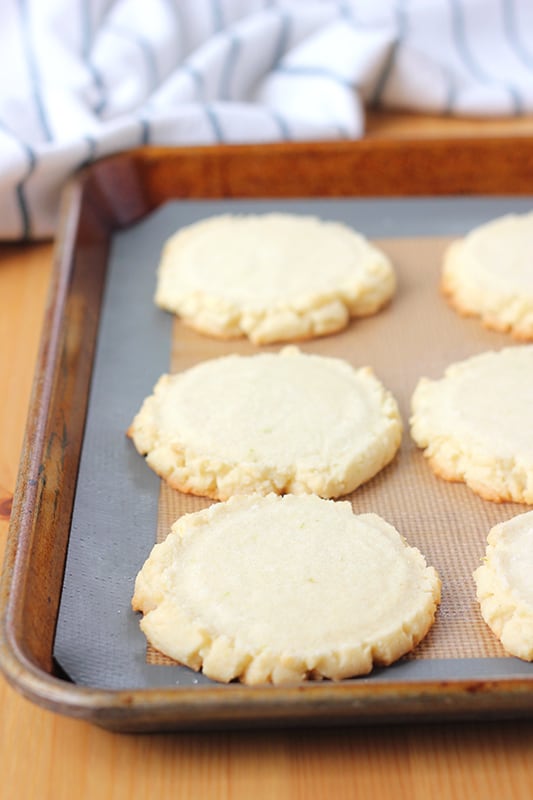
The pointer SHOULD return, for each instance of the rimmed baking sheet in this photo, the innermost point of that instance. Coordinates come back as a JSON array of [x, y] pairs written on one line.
[[120, 507]]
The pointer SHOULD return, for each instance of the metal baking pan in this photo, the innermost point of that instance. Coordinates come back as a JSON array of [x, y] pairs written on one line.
[[87, 509]]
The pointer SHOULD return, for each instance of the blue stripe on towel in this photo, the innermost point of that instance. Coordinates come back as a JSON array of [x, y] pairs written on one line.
[[461, 43], [20, 188], [451, 91], [33, 69], [345, 10], [214, 121], [146, 48], [176, 12], [315, 72], [86, 44], [282, 124], [86, 27], [228, 67], [342, 131], [510, 25], [383, 77], [91, 144], [100, 85], [196, 76], [282, 42], [21, 193], [145, 130], [217, 15]]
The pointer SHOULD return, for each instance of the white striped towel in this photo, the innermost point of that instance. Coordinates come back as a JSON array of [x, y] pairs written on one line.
[[81, 79]]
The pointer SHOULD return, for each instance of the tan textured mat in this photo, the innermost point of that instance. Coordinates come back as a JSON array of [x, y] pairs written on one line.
[[417, 334]]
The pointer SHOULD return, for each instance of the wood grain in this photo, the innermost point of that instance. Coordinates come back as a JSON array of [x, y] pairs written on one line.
[[46, 756], [390, 125]]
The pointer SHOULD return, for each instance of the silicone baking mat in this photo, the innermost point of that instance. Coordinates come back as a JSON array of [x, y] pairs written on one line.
[[121, 508]]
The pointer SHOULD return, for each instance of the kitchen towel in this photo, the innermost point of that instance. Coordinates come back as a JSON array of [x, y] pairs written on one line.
[[81, 79]]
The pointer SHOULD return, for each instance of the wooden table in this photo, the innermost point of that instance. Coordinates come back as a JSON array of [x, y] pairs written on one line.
[[47, 756]]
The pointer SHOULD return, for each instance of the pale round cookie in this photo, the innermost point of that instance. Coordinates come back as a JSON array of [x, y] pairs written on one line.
[[271, 277], [285, 422], [505, 584], [489, 274], [476, 423], [280, 589]]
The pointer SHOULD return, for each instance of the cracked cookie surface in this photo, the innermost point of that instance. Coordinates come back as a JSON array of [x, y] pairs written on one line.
[[474, 424], [279, 589], [489, 274], [271, 277], [285, 422], [504, 584]]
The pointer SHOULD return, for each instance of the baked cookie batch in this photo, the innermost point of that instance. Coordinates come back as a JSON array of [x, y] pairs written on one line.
[[278, 582]]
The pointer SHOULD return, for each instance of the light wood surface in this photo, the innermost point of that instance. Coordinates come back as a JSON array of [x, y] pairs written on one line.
[[43, 755], [389, 125]]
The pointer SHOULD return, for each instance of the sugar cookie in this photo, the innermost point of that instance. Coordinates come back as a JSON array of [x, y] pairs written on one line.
[[476, 423], [280, 589], [271, 277], [505, 584], [286, 422], [489, 274]]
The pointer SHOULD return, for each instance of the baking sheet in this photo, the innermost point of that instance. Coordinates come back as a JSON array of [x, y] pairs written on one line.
[[120, 507]]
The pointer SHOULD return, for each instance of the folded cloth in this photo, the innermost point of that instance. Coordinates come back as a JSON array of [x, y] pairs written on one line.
[[86, 79]]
